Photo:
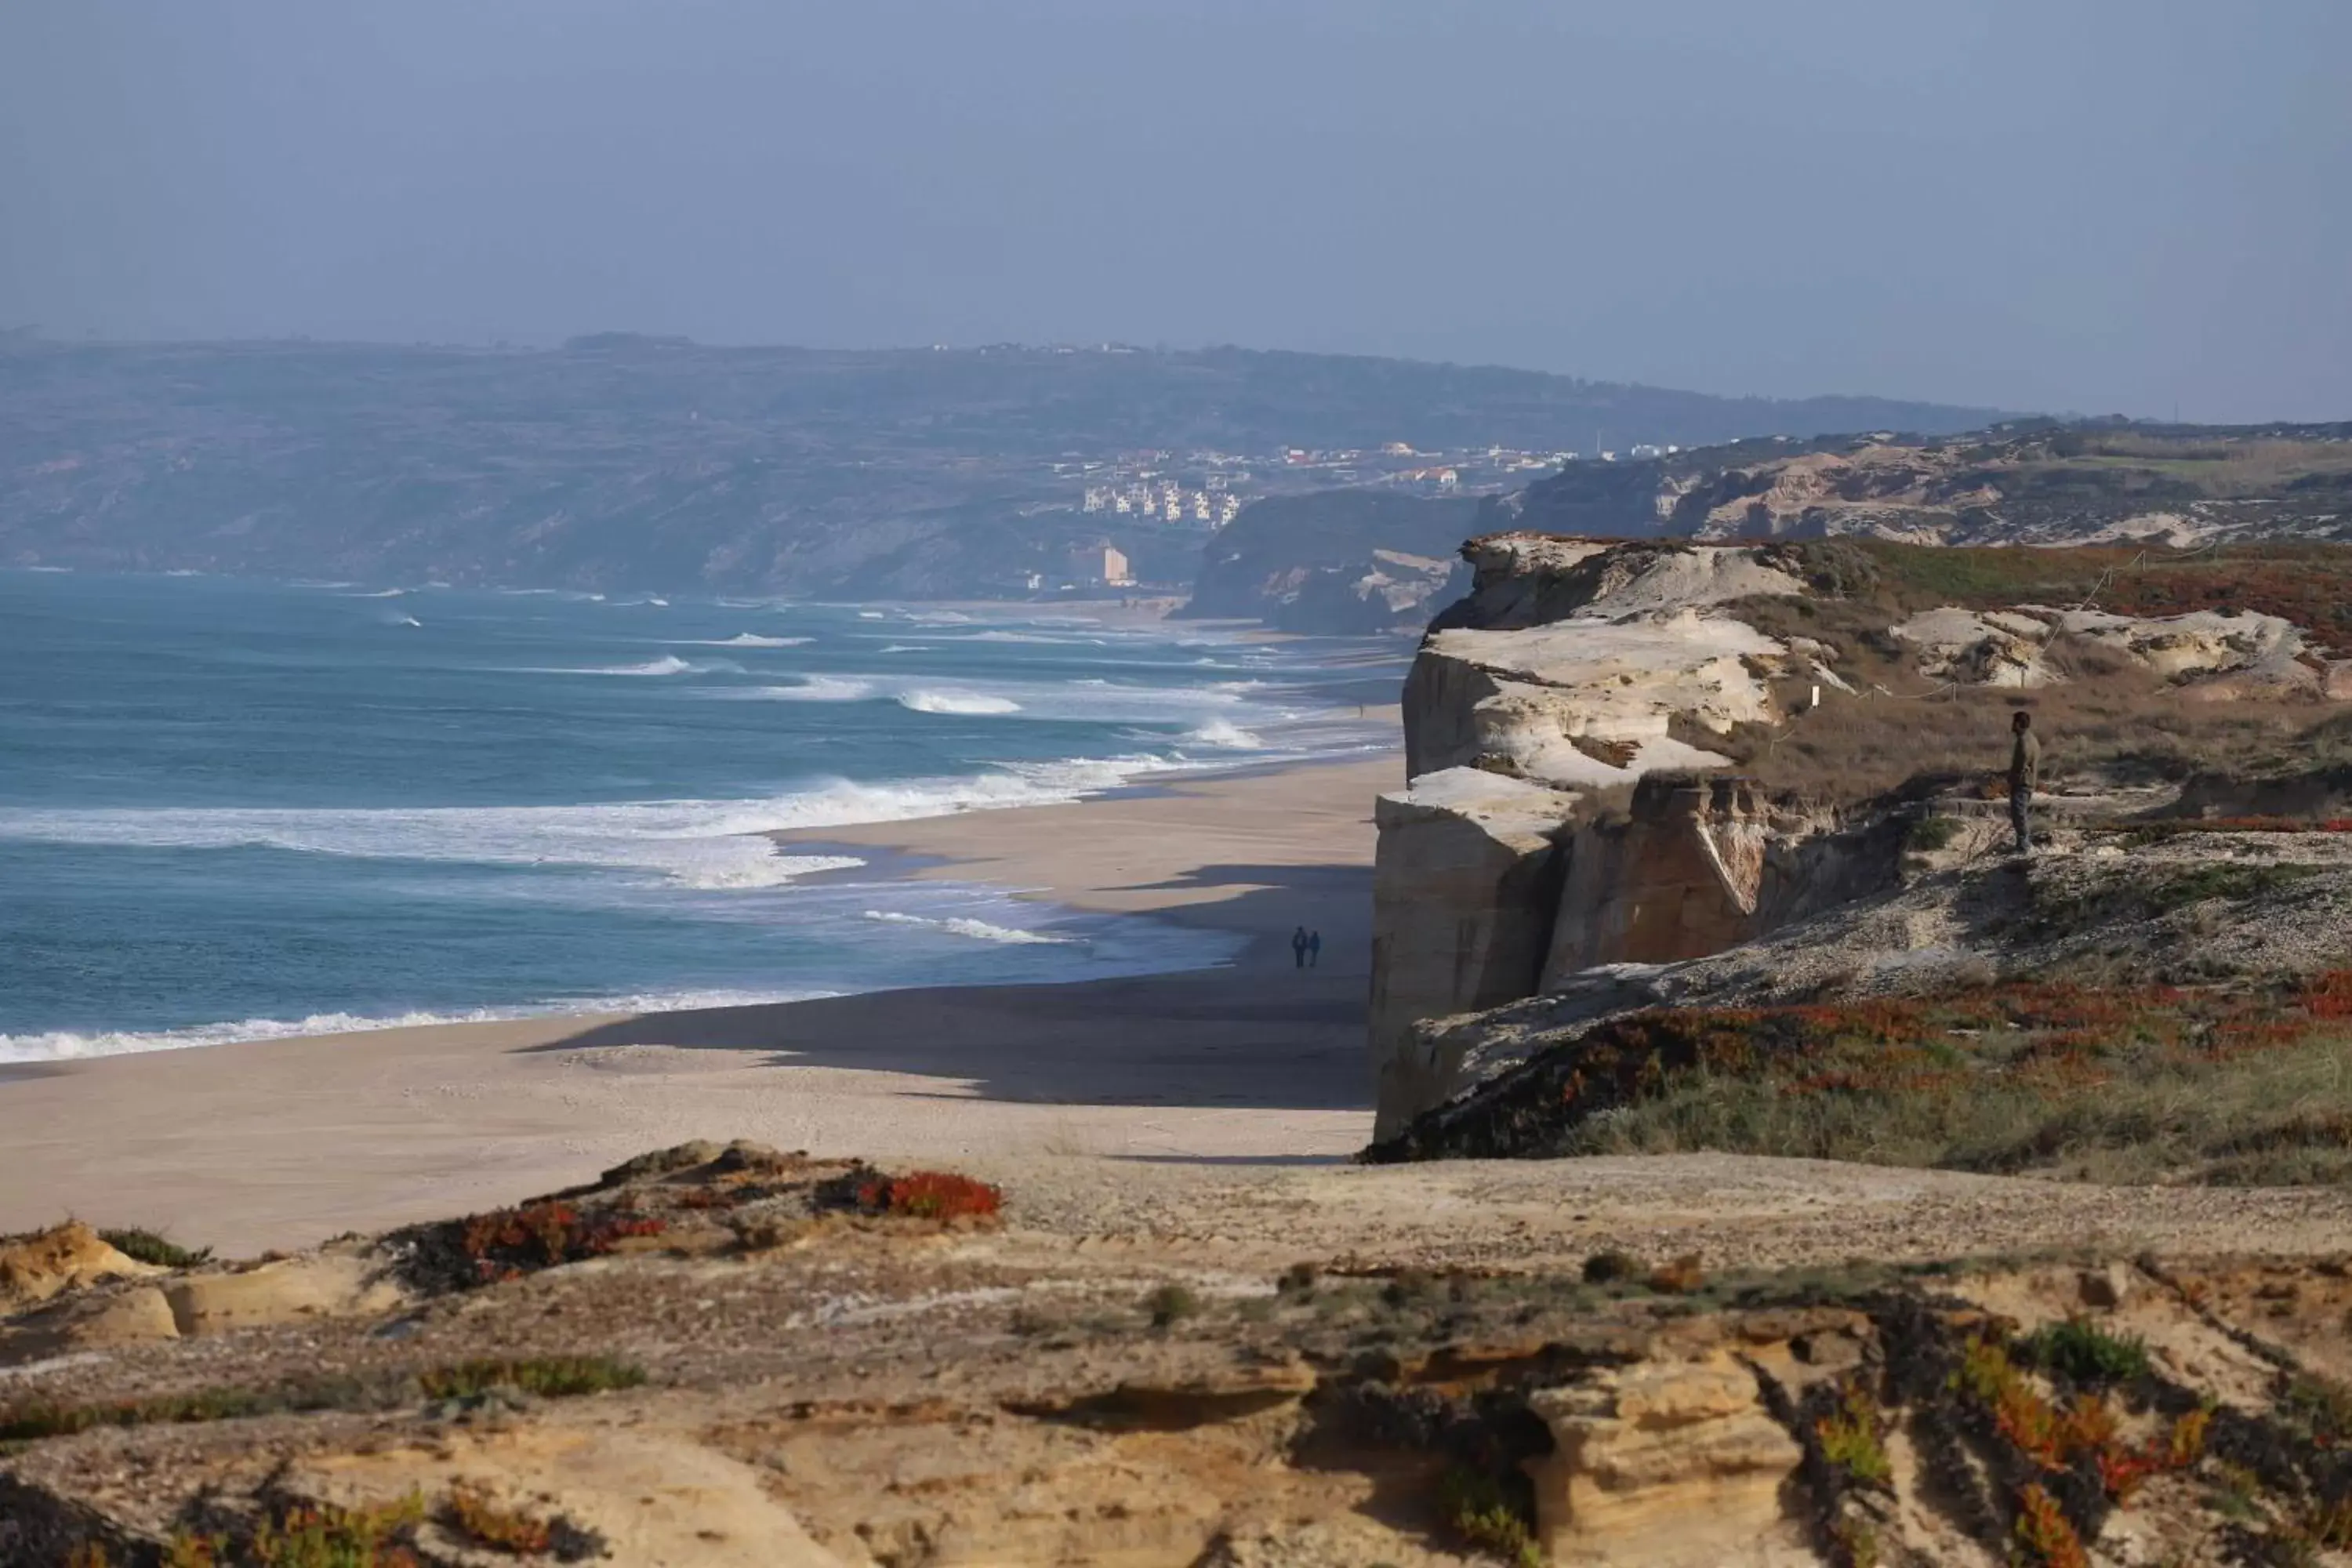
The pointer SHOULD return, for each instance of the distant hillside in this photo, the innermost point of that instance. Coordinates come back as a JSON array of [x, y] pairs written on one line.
[[2041, 482], [1335, 561], [621, 461]]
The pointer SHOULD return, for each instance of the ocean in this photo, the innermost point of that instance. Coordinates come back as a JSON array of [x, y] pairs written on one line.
[[233, 810]]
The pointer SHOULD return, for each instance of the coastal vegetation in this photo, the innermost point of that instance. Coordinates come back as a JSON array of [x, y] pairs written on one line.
[[2232, 1084]]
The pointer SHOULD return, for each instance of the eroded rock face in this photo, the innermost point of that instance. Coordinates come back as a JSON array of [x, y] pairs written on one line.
[[1462, 892], [2218, 657], [1671, 1464], [1584, 704], [1698, 867], [1680, 880], [33, 1269]]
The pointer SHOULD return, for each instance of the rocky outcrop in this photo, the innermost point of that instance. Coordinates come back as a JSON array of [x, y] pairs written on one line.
[[63, 1258], [1463, 891], [1673, 1463], [1572, 669], [2214, 656], [1570, 661]]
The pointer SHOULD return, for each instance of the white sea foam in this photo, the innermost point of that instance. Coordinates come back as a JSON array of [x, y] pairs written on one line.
[[810, 688], [979, 931], [668, 664], [904, 647], [871, 615], [1044, 638], [382, 593], [748, 639], [1091, 700], [969, 704], [1225, 735], [64, 1045], [405, 621], [711, 845]]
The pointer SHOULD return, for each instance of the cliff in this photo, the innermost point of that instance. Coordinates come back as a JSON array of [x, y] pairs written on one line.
[[1632, 754]]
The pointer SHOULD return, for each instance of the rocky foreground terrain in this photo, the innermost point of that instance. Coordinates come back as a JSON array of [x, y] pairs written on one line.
[[732, 1355]]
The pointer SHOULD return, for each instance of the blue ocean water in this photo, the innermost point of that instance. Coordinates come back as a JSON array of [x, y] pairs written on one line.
[[231, 810]]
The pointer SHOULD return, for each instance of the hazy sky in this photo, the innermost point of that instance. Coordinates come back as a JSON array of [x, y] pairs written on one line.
[[2074, 204]]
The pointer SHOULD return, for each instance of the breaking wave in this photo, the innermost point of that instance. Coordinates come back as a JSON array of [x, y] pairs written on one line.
[[970, 704], [750, 639], [1224, 735], [709, 844], [979, 931], [66, 1045]]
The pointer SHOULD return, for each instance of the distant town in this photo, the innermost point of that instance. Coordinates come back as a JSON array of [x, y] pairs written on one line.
[[1204, 492]]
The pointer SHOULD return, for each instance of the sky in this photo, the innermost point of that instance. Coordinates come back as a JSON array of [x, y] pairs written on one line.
[[2138, 206]]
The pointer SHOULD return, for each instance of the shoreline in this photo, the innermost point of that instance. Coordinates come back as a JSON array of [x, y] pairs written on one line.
[[279, 1142]]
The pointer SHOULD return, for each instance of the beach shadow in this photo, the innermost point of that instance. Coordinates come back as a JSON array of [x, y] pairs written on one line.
[[1259, 1034]]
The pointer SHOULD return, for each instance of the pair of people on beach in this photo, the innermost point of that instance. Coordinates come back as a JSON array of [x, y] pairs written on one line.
[[1306, 948]]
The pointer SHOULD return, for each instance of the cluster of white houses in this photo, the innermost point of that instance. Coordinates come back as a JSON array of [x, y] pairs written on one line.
[[1167, 501]]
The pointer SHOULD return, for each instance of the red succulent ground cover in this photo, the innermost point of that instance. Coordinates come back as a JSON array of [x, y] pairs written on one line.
[[506, 1243], [928, 1195]]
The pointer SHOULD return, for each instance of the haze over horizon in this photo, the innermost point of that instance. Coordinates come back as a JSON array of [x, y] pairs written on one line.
[[2081, 207]]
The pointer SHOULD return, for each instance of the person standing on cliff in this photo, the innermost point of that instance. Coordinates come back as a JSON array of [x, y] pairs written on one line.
[[2024, 776], [1299, 947]]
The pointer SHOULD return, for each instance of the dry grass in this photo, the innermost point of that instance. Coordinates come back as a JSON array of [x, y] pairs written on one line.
[[2125, 730], [2110, 719], [2123, 1084]]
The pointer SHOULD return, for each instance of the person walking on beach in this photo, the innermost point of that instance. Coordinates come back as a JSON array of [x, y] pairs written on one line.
[[1298, 947], [2024, 775], [1314, 950]]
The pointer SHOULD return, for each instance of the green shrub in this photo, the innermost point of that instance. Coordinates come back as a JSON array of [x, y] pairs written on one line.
[[1929, 834], [1852, 1441], [2080, 1349], [1169, 1304], [1484, 1514], [152, 1248]]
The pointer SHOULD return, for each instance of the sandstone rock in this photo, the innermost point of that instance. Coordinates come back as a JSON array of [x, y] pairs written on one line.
[[321, 1284], [2257, 652], [1462, 892], [1698, 867], [1666, 1465], [656, 1500], [1520, 580], [33, 1269], [87, 1321], [1582, 703], [1680, 880]]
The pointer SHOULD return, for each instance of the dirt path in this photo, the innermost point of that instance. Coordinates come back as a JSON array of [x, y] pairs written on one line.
[[1732, 1210]]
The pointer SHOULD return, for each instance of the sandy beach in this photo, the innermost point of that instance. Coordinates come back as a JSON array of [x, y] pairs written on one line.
[[280, 1144]]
